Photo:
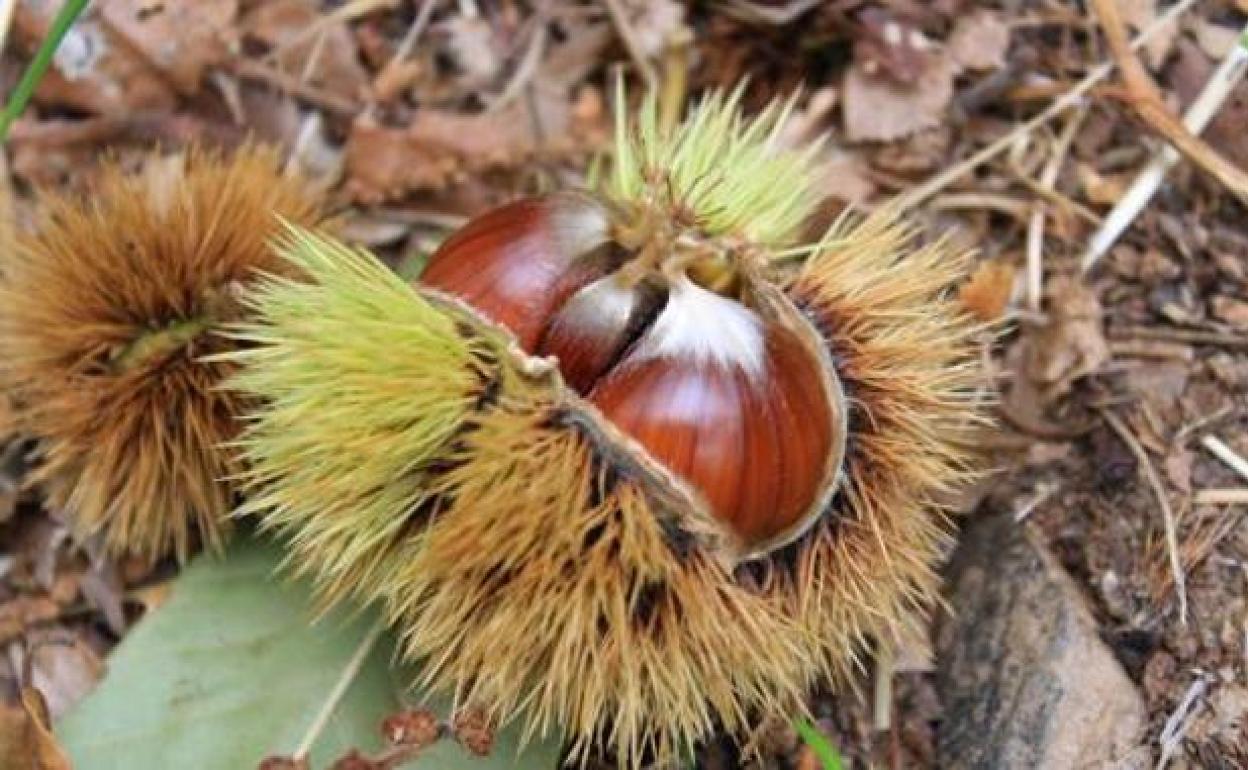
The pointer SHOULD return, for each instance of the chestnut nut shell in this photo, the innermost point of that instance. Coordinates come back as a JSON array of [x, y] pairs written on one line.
[[681, 343]]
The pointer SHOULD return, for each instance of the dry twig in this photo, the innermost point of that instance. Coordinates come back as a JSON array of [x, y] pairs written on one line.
[[1221, 496], [1220, 85], [1227, 455], [1145, 98], [943, 179], [1035, 226], [1167, 512]]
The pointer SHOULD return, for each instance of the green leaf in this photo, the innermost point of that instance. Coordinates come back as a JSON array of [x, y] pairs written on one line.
[[232, 669], [829, 758]]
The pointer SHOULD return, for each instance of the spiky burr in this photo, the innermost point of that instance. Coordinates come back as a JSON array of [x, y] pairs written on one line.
[[106, 309], [457, 450]]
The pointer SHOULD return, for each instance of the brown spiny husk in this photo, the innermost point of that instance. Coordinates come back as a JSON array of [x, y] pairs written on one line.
[[539, 564], [105, 310]]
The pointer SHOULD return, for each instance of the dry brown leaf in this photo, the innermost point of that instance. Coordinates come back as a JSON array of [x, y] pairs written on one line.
[[1215, 40], [26, 740], [987, 293], [1072, 344], [887, 47], [440, 147], [1178, 468], [1102, 190], [980, 41], [94, 69], [328, 59], [845, 176], [156, 594], [19, 614], [471, 44], [1230, 310], [879, 110], [63, 668], [182, 38]]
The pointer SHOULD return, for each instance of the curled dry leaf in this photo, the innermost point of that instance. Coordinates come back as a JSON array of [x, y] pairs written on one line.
[[1102, 190], [94, 69], [438, 147], [1072, 344], [980, 41], [182, 38], [63, 668], [986, 294], [26, 740], [22, 612], [879, 110]]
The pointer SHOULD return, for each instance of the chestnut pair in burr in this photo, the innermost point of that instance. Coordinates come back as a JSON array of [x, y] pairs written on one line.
[[681, 342]]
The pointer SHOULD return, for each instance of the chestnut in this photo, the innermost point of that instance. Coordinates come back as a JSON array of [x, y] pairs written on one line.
[[630, 463], [679, 340]]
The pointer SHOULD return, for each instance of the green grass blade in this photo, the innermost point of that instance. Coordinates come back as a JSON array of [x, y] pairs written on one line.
[[829, 758], [65, 19]]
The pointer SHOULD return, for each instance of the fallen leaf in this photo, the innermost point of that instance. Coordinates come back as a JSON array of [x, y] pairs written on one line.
[[182, 38], [26, 743], [471, 45], [328, 58], [1178, 468], [1102, 190], [877, 109], [1230, 310], [62, 667], [845, 176], [236, 665], [987, 293], [93, 70], [980, 41], [439, 147], [1072, 343], [20, 613], [1215, 40], [885, 46]]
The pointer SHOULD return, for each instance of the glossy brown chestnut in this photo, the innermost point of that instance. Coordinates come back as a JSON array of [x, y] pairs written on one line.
[[675, 347], [750, 429], [519, 262]]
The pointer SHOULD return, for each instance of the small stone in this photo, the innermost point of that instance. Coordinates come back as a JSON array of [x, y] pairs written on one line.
[[1022, 672]]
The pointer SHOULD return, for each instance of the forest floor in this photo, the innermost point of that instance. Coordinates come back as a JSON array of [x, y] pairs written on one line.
[[1121, 391]]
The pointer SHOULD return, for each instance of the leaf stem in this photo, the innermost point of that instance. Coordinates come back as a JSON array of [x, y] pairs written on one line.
[[345, 680], [65, 18]]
